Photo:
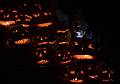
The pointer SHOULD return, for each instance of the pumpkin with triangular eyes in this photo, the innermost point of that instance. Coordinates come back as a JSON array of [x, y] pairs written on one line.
[[42, 56]]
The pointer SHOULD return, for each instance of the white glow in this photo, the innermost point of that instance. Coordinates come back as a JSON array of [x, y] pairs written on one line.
[[80, 34]]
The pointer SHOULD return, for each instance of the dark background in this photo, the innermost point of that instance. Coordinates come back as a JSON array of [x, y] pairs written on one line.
[[101, 16]]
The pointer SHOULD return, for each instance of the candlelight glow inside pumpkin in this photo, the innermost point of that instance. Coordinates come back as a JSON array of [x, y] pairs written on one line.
[[36, 15], [62, 31], [42, 43], [22, 41], [44, 24], [63, 43], [76, 80], [7, 23], [91, 46], [83, 57], [25, 25], [43, 62], [65, 62], [93, 76], [47, 13]]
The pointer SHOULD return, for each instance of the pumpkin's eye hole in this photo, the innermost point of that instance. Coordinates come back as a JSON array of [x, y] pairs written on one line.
[[47, 13], [36, 15]]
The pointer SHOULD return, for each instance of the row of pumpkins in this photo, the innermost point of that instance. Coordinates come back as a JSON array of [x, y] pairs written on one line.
[[50, 43]]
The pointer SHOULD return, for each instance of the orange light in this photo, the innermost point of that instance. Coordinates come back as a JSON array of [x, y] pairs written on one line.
[[65, 62], [14, 11], [52, 42], [63, 43], [91, 46], [76, 80], [43, 62], [62, 31], [18, 20], [25, 25], [28, 16], [16, 30], [68, 52], [44, 24], [42, 43], [107, 80], [40, 55], [7, 23], [47, 13], [82, 57], [8, 15], [16, 16], [104, 71], [45, 51], [76, 43], [22, 41], [93, 77], [1, 10], [82, 72], [27, 19], [109, 75], [36, 15], [72, 72]]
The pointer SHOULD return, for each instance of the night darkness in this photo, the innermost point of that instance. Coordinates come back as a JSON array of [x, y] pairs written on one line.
[[102, 18]]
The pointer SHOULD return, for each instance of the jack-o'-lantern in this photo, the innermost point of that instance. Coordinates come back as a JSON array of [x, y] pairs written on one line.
[[74, 74], [7, 17], [105, 74], [42, 56], [62, 55]]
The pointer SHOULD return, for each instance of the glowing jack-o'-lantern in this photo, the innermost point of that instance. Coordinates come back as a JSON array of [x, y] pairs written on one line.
[[22, 41], [105, 73], [63, 57], [83, 57], [74, 75], [41, 55]]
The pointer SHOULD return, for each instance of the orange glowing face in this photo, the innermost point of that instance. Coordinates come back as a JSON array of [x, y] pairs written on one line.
[[83, 57]]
